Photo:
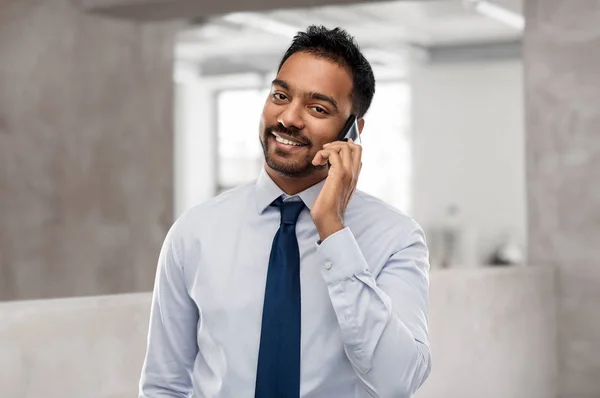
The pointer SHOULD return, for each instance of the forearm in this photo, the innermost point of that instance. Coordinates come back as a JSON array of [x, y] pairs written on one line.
[[169, 356], [382, 322], [171, 350], [384, 352]]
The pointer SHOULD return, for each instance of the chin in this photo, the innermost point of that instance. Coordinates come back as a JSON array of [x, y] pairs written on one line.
[[287, 168], [288, 164], [295, 168]]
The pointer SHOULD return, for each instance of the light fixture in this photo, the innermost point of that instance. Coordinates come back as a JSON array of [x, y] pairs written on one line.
[[386, 57], [498, 13], [263, 23]]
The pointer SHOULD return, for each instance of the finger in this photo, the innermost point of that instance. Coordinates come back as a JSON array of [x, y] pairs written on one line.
[[345, 151], [356, 158], [336, 144], [340, 146], [346, 155], [335, 160], [320, 157], [323, 156]]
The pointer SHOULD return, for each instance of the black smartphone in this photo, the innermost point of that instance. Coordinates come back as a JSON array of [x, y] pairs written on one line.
[[350, 130]]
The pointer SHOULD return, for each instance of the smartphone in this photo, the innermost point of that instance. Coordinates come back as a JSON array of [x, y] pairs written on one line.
[[350, 130]]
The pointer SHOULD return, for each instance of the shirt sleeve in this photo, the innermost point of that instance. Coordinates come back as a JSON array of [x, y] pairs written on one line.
[[171, 346], [383, 320]]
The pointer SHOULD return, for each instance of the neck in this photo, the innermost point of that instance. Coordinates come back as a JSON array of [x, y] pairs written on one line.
[[295, 185]]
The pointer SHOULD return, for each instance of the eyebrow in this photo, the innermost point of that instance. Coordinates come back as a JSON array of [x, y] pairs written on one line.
[[281, 83], [318, 96]]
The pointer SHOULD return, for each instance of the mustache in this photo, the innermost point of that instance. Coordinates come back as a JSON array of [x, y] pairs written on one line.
[[293, 132]]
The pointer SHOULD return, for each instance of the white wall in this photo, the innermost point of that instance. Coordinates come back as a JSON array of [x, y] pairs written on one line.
[[468, 139]]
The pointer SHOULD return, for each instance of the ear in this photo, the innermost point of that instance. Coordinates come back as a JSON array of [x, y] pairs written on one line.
[[361, 124]]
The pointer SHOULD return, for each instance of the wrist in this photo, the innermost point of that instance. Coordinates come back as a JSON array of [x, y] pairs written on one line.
[[328, 226]]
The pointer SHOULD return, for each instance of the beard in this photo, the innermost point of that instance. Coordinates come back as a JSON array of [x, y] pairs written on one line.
[[295, 165]]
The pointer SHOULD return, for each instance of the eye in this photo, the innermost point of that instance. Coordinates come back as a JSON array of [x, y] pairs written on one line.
[[279, 96], [318, 109]]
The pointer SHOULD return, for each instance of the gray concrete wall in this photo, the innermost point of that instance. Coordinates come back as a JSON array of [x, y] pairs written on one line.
[[492, 335], [85, 150], [562, 83]]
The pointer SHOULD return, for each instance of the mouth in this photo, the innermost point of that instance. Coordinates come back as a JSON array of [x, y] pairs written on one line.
[[287, 142]]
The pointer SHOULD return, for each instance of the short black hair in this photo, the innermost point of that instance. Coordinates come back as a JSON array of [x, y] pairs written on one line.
[[338, 46]]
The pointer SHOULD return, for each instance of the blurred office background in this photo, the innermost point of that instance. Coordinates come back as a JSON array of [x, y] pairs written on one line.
[[444, 137], [116, 116]]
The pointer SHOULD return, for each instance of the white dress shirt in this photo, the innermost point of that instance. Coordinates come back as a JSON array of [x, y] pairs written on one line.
[[364, 300]]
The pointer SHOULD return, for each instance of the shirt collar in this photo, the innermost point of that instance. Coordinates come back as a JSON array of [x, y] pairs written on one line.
[[267, 191]]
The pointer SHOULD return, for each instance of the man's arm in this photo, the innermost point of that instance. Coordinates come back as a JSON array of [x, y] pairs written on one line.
[[172, 346], [383, 321]]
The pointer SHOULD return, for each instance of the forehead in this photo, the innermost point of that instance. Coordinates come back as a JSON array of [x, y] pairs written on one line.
[[309, 74]]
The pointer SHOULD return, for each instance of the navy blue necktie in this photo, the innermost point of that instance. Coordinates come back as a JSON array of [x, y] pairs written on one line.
[[278, 373]]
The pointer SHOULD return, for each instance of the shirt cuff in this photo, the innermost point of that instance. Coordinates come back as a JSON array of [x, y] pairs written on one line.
[[340, 256]]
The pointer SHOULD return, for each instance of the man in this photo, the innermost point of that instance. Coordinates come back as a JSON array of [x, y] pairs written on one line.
[[295, 285]]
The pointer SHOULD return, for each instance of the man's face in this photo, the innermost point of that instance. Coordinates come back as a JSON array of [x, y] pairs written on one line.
[[309, 103]]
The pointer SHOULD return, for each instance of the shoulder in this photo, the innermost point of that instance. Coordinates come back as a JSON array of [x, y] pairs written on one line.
[[381, 216], [202, 217]]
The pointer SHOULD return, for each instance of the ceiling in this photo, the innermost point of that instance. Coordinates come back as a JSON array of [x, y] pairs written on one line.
[[386, 31]]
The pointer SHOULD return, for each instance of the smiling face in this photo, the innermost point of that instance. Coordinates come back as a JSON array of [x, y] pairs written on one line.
[[309, 102]]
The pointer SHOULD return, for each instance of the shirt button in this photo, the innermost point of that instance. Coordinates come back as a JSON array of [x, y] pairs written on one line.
[[328, 266]]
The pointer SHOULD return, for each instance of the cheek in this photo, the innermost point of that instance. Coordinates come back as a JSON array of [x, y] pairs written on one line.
[[323, 131], [269, 113]]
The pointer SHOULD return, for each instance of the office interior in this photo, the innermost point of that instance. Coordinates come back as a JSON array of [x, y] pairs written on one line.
[[117, 116]]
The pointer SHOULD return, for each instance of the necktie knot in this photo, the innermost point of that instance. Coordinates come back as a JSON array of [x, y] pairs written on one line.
[[290, 210]]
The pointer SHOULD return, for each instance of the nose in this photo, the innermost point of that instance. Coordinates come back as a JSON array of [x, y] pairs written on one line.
[[292, 117]]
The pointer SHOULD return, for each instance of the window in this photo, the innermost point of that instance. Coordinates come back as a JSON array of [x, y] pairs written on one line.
[[240, 155], [387, 161], [386, 171]]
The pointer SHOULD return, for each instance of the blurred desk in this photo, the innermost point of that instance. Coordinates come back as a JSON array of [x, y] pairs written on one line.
[[492, 335]]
